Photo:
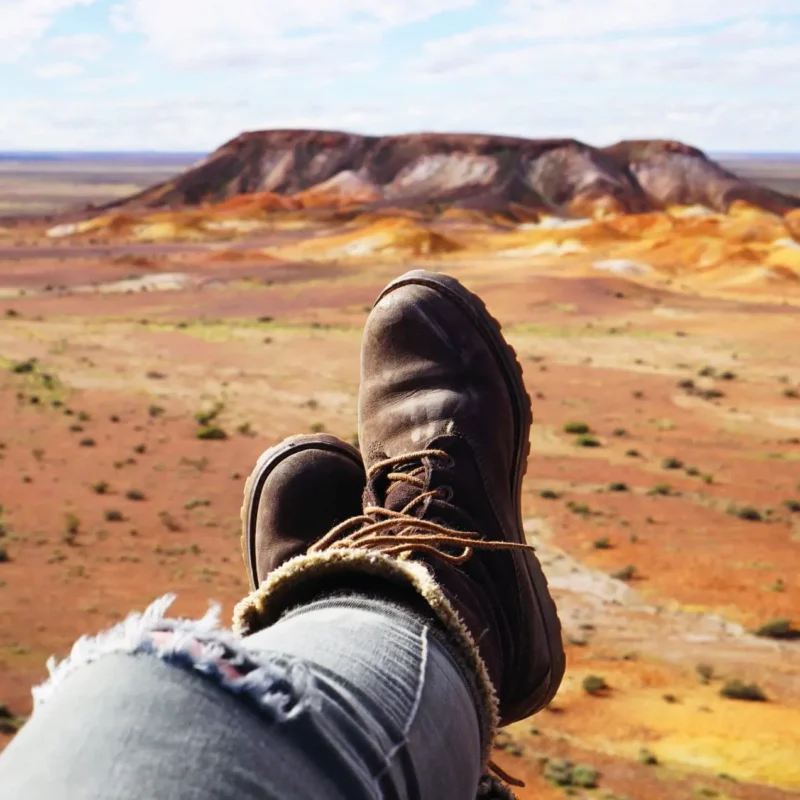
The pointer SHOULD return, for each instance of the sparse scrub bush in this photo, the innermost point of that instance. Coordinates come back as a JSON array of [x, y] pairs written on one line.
[[169, 522], [594, 685], [661, 489], [559, 772], [113, 515], [24, 367], [705, 672], [549, 494], [627, 573], [778, 629], [10, 723], [748, 513], [618, 487], [579, 508], [577, 428], [206, 417], [72, 526], [709, 394], [793, 506], [672, 463], [211, 433], [738, 690], [585, 776], [195, 503], [601, 544], [135, 495], [587, 441], [155, 411], [317, 427], [647, 758], [245, 429], [88, 442], [101, 487]]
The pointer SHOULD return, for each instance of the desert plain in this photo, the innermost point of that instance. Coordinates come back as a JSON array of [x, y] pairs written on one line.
[[147, 357]]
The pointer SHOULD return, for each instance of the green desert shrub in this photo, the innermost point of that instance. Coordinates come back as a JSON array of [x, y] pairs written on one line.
[[738, 690], [594, 685], [627, 573], [577, 428], [211, 433], [780, 628]]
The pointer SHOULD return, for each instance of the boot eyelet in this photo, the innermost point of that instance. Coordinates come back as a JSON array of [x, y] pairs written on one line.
[[449, 463], [445, 493]]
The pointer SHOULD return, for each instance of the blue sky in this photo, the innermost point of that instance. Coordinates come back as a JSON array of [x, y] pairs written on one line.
[[187, 75]]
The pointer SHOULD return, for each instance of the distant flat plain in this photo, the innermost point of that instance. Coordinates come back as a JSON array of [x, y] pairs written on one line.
[[33, 184]]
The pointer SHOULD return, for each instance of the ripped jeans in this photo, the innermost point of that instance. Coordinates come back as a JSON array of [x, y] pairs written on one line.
[[346, 698]]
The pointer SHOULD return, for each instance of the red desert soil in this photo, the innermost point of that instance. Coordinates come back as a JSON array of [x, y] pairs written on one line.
[[689, 474]]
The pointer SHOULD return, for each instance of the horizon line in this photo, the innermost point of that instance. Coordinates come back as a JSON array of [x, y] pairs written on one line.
[[201, 153]]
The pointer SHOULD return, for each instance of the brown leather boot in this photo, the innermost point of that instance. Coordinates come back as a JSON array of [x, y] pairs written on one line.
[[444, 421], [297, 492]]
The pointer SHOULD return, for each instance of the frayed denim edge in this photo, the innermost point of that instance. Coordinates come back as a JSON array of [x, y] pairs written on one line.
[[280, 687]]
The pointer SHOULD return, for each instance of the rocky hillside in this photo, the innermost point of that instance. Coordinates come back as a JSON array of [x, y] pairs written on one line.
[[491, 173]]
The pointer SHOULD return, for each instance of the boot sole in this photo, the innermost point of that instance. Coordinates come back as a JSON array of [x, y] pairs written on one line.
[[491, 331], [254, 485]]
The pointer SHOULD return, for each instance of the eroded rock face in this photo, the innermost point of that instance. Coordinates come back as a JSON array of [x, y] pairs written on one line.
[[672, 173], [490, 173]]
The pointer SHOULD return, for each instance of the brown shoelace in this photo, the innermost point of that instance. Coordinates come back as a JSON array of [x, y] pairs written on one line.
[[398, 533]]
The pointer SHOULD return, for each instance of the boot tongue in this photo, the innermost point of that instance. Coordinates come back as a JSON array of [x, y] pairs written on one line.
[[397, 494], [400, 494]]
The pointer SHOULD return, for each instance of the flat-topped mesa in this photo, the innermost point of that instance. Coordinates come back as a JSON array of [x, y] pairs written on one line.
[[491, 173]]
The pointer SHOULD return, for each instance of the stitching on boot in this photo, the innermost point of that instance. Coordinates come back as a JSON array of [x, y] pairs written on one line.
[[263, 607], [279, 688]]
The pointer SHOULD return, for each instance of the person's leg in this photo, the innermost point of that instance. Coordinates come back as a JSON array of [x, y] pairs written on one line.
[[345, 697]]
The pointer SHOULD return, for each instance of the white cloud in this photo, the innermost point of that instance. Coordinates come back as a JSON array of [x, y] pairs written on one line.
[[574, 25], [108, 82], [598, 70], [22, 22], [77, 47], [200, 123], [312, 33], [663, 60], [60, 69], [577, 18]]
